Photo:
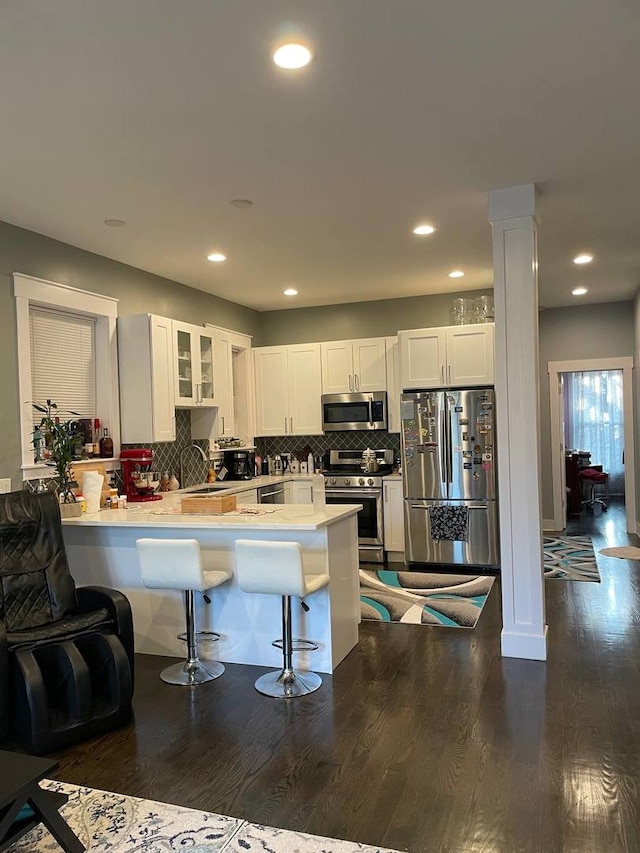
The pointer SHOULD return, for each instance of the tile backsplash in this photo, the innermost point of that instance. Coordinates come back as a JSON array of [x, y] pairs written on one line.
[[166, 454], [360, 439]]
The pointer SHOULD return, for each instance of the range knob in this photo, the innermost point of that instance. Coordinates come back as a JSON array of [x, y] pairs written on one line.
[[333, 481], [347, 481], [361, 481], [370, 482]]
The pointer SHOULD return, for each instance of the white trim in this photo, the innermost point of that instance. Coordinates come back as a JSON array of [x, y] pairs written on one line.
[[81, 301], [30, 290], [548, 524], [624, 363], [239, 340], [531, 646]]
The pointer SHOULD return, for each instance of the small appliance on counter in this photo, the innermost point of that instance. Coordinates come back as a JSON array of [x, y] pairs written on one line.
[[141, 482], [238, 464]]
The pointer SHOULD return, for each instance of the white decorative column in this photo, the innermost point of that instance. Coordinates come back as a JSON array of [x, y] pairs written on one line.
[[515, 262]]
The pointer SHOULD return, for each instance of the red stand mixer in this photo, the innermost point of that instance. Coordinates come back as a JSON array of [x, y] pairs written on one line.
[[141, 482]]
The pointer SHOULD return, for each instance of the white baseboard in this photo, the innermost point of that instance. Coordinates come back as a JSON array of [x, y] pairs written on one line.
[[528, 646], [548, 524]]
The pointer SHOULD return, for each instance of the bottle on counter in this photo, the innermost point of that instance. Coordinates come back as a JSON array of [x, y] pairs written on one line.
[[173, 483], [96, 436], [257, 464], [106, 445], [310, 464]]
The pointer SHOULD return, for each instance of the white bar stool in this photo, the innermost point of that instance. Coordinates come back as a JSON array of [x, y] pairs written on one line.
[[275, 568], [177, 564]]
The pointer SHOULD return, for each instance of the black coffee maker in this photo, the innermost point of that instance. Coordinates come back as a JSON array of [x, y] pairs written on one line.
[[239, 463]]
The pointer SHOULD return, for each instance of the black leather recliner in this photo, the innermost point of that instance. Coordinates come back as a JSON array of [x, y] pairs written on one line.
[[66, 653]]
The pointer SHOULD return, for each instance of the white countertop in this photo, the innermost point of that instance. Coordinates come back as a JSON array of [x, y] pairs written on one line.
[[166, 513]]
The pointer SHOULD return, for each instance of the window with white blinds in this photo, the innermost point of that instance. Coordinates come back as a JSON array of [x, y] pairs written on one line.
[[63, 361]]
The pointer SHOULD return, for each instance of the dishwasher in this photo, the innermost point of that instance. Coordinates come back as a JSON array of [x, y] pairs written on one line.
[[271, 494]]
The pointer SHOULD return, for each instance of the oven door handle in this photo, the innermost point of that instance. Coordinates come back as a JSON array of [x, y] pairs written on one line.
[[365, 493]]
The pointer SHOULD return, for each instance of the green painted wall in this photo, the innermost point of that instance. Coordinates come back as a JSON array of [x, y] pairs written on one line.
[[139, 292], [358, 319]]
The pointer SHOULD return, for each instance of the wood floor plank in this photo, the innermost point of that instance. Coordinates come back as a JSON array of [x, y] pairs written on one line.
[[425, 739]]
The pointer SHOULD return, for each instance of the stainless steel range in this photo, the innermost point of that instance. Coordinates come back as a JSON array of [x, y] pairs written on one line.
[[346, 483]]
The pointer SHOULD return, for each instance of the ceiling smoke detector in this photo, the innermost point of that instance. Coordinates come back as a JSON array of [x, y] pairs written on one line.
[[115, 223], [242, 203]]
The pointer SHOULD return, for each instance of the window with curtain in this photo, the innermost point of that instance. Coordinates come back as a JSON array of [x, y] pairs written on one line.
[[594, 420], [63, 362]]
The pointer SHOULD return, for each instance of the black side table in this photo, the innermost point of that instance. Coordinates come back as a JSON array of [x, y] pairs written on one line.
[[19, 778]]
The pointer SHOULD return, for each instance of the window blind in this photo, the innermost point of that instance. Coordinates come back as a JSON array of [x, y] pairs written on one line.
[[63, 363]]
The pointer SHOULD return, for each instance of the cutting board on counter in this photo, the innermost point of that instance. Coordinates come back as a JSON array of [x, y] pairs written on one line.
[[98, 467]]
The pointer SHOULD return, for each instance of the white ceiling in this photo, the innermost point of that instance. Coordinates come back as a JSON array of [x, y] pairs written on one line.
[[160, 112]]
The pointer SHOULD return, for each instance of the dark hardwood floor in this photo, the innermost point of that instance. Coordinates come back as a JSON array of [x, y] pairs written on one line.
[[425, 739]]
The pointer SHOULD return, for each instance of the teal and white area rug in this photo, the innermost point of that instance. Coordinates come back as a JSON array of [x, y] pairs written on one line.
[[113, 823], [423, 598], [570, 558]]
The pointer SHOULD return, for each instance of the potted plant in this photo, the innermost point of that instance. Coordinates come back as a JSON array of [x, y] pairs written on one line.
[[62, 439]]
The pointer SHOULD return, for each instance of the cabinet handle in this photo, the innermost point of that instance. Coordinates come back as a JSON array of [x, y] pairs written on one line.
[[449, 374], [356, 382], [222, 418], [291, 426], [442, 374], [350, 383], [285, 426]]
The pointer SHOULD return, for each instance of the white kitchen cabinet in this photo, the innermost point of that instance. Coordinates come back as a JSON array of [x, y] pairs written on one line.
[[351, 366], [250, 496], [288, 389], [301, 492], [393, 385], [194, 359], [393, 518], [223, 363], [146, 367], [447, 356]]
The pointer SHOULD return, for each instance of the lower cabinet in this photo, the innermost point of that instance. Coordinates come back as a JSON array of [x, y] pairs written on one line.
[[248, 497], [301, 492], [393, 519]]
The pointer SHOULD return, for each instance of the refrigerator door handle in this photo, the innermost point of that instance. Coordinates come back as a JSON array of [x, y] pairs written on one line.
[[478, 506], [448, 431], [443, 448]]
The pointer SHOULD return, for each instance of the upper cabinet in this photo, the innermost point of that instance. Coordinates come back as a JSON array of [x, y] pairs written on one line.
[[288, 389], [349, 366], [394, 389], [194, 354], [448, 356], [146, 365]]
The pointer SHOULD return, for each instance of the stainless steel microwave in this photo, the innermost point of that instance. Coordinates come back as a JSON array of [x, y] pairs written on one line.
[[354, 411]]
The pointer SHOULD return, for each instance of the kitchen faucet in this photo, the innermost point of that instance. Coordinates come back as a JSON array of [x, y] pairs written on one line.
[[181, 460]]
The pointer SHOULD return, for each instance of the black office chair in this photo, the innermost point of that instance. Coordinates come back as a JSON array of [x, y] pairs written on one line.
[[66, 654]]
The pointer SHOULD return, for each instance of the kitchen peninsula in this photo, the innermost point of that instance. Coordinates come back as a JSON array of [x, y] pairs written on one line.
[[101, 549]]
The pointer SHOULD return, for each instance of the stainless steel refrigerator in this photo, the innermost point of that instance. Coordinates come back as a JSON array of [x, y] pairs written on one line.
[[449, 467]]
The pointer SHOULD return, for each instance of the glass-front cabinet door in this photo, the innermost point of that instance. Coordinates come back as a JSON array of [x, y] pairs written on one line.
[[205, 392], [185, 380], [194, 366]]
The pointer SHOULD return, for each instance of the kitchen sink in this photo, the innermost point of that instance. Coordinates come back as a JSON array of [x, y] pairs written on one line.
[[210, 487]]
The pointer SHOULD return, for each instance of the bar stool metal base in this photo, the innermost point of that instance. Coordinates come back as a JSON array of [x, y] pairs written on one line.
[[286, 684], [187, 673]]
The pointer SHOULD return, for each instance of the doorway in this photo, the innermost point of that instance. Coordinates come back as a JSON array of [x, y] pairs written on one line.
[[590, 381]]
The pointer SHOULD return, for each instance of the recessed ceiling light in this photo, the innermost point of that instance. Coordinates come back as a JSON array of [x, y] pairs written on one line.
[[241, 202], [579, 291], [456, 274], [115, 223], [583, 259], [292, 56], [290, 291], [423, 229], [216, 257]]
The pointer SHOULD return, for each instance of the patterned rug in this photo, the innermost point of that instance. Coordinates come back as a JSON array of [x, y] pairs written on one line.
[[570, 558], [422, 598], [113, 823]]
